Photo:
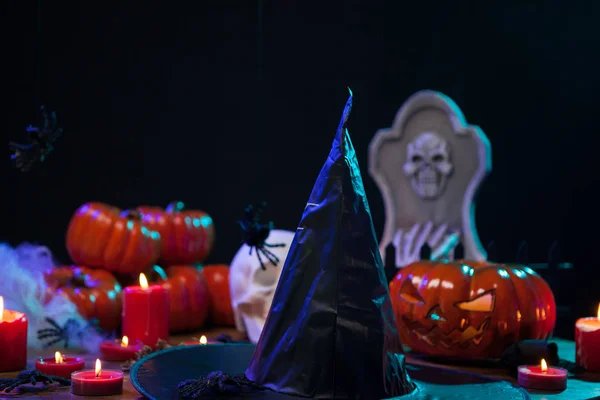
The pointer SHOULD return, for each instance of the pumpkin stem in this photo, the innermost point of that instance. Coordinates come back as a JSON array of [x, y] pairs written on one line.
[[131, 215], [158, 270], [175, 207], [78, 279]]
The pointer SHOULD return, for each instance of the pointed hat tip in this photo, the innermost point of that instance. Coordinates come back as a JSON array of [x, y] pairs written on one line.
[[346, 113], [341, 131]]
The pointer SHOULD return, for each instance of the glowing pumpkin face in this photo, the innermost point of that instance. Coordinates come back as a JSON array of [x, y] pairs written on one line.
[[470, 311]]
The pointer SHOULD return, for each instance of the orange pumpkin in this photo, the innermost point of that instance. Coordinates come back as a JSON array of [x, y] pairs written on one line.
[[103, 236], [95, 292], [217, 278], [189, 296], [187, 235], [470, 310]]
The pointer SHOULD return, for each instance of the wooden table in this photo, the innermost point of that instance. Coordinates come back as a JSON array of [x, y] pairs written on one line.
[[576, 389], [129, 392]]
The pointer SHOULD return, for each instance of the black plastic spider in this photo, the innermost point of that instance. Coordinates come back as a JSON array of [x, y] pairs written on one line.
[[31, 377], [71, 330], [256, 234], [216, 383], [40, 142]]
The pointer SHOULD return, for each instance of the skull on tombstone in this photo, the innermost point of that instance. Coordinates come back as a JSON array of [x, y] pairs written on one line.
[[252, 287], [428, 165]]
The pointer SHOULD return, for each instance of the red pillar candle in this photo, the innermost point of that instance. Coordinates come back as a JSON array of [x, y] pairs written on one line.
[[13, 339], [59, 365], [119, 350], [587, 343], [97, 382], [145, 313], [203, 340], [542, 377]]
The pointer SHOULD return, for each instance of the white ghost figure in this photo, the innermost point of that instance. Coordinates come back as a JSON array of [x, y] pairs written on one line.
[[252, 288]]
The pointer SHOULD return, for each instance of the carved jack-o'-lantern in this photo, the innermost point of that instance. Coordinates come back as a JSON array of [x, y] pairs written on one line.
[[458, 310]]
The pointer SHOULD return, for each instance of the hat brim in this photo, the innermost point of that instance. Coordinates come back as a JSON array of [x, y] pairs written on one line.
[[157, 375]]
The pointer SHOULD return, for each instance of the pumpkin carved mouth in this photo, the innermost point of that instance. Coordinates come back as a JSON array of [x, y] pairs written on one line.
[[435, 336]]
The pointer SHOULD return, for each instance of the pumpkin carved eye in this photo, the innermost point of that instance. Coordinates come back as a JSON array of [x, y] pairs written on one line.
[[435, 314], [410, 294], [483, 303]]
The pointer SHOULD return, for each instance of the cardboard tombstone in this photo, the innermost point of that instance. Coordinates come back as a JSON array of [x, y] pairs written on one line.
[[428, 167]]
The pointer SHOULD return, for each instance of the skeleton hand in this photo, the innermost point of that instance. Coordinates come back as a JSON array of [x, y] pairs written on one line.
[[408, 244]]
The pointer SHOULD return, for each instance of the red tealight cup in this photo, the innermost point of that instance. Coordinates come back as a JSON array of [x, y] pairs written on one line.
[[119, 350], [146, 313], [542, 377], [13, 339], [97, 382], [59, 365], [587, 343]]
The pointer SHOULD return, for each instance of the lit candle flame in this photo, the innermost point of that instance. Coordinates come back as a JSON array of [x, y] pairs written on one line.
[[1, 304], [2, 308], [98, 368], [203, 339], [58, 358], [544, 366], [143, 281], [124, 341]]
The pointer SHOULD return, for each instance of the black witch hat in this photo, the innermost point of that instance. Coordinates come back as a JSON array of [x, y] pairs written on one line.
[[331, 332]]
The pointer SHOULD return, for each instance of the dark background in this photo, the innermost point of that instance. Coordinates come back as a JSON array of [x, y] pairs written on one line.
[[222, 103]]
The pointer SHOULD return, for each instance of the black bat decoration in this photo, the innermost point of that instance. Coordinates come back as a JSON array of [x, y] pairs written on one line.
[[40, 142]]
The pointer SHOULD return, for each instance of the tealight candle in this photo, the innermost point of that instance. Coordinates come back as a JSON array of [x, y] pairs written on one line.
[[146, 313], [59, 365], [542, 377], [97, 382], [119, 350], [203, 340], [13, 339], [587, 342]]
